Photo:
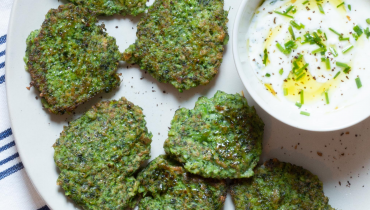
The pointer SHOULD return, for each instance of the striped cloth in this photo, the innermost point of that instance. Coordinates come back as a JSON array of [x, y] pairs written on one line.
[[16, 190]]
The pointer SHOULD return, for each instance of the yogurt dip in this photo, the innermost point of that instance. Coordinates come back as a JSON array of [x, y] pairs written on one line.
[[312, 55]]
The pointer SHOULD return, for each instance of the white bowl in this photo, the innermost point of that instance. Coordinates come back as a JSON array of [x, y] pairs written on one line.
[[335, 120]]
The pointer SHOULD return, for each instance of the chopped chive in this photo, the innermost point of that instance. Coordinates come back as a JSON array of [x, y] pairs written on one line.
[[265, 57], [283, 14], [326, 38], [268, 75], [327, 62], [301, 70], [358, 30], [321, 9], [302, 26], [319, 31], [347, 49], [300, 57], [305, 66], [358, 82], [289, 46], [300, 76], [317, 38], [337, 75], [297, 73], [281, 71], [305, 113], [333, 51], [327, 97], [298, 104], [295, 64], [343, 39], [323, 59], [321, 49], [295, 25], [346, 70], [281, 48], [341, 4], [291, 32], [349, 7], [355, 36], [302, 96], [305, 2], [334, 31], [285, 91], [367, 32], [288, 9], [368, 21], [340, 64]]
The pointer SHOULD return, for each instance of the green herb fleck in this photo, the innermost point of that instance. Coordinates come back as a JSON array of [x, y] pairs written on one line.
[[367, 32], [289, 9], [327, 97], [336, 75], [358, 82], [283, 14], [321, 49], [358, 30], [298, 104], [340, 64], [333, 51], [334, 31], [281, 48], [291, 32], [281, 71], [347, 49], [295, 25], [327, 62], [285, 91], [321, 8], [341, 4], [305, 113], [302, 96], [265, 57]]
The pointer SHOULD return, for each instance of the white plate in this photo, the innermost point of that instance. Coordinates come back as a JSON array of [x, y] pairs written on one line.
[[36, 130]]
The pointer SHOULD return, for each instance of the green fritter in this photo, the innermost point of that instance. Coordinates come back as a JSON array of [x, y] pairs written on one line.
[[71, 59], [279, 185], [111, 7], [181, 42], [220, 138], [164, 184], [98, 153]]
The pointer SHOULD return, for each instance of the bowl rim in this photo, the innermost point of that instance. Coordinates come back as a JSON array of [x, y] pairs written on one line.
[[259, 100]]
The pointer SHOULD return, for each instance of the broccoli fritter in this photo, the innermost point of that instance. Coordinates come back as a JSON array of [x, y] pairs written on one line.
[[279, 185], [99, 152], [111, 7], [181, 42], [164, 184], [220, 138], [71, 59]]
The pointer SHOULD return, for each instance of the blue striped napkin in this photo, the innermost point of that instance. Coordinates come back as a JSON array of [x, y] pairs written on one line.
[[16, 190]]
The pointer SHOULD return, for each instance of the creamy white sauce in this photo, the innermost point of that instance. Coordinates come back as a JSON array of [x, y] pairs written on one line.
[[267, 28]]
